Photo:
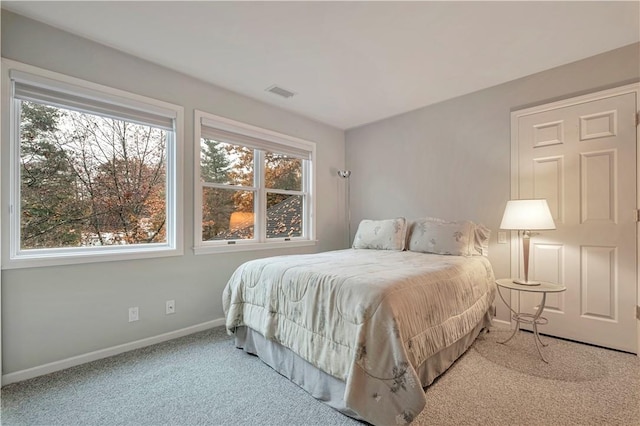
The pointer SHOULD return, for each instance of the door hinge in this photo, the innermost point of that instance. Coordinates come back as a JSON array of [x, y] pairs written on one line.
[[637, 213], [637, 119]]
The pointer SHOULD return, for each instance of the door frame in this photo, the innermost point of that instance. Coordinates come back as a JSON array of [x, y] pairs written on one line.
[[515, 245]]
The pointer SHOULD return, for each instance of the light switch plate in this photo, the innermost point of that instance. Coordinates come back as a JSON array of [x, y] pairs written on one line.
[[502, 237]]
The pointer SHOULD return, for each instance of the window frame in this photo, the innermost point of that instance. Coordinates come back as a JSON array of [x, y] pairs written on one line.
[[15, 257], [270, 139]]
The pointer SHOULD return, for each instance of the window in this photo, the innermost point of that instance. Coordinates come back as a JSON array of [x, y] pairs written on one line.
[[254, 187], [93, 175]]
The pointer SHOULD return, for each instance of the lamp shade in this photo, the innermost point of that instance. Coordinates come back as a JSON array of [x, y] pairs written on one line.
[[527, 215]]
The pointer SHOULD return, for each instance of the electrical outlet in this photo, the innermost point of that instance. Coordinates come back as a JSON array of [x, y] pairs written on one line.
[[170, 307], [133, 314]]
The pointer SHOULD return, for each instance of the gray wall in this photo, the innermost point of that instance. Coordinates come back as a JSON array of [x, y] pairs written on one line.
[[452, 159], [53, 313], [449, 160]]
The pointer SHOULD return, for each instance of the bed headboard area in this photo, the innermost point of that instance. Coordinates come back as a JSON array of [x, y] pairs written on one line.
[[424, 235]]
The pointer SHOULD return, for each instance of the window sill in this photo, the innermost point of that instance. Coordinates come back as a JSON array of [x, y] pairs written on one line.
[[34, 261], [230, 248]]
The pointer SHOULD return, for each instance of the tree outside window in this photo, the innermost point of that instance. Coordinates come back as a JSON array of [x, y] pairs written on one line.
[[88, 180], [229, 206]]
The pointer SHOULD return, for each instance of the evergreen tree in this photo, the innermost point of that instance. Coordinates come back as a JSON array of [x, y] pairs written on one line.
[[217, 204], [214, 162], [50, 205]]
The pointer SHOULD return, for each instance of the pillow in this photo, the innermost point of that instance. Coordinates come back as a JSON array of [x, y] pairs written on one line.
[[386, 234], [481, 240], [440, 237], [411, 226]]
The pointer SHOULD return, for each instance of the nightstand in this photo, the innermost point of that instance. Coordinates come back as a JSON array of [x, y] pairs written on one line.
[[524, 318]]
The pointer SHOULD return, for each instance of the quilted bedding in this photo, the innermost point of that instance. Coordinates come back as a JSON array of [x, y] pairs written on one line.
[[367, 317]]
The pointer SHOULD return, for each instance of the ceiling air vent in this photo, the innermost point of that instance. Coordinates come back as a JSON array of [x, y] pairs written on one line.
[[277, 90]]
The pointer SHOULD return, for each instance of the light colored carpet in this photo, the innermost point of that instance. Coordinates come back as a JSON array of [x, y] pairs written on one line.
[[494, 384], [203, 379]]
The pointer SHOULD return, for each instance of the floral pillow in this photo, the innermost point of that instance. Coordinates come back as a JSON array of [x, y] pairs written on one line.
[[481, 243], [411, 224], [440, 237], [386, 234]]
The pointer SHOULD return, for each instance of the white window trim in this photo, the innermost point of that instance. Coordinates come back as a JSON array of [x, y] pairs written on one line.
[[12, 257], [222, 123]]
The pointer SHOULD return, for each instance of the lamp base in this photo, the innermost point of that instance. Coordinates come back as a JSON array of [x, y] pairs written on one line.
[[525, 282]]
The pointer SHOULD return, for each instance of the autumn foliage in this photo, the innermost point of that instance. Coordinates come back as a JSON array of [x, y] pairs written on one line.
[[89, 180], [233, 166]]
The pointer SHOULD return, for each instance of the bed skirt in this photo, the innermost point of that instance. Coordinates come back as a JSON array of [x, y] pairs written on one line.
[[329, 389]]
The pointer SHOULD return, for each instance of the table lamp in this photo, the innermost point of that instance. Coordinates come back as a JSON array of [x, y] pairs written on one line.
[[525, 216]]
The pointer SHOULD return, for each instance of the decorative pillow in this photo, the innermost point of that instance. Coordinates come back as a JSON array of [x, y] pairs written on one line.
[[481, 240], [386, 234], [440, 237], [411, 224]]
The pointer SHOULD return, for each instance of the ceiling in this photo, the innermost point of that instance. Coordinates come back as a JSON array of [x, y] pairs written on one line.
[[350, 63]]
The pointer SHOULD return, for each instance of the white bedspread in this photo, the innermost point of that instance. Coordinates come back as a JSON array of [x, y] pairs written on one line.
[[367, 317]]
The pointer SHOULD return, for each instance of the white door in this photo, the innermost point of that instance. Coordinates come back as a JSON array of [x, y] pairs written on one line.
[[580, 155]]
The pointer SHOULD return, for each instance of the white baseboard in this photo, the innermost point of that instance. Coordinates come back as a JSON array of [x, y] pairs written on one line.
[[501, 322], [40, 370]]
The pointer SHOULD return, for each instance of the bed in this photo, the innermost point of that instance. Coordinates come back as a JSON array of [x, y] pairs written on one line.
[[366, 329]]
